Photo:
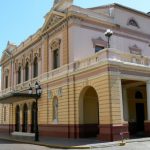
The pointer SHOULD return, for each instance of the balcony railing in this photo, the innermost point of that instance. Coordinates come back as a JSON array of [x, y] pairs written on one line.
[[96, 59]]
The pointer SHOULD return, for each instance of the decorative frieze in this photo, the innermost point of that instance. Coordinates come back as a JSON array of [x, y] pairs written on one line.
[[135, 50]]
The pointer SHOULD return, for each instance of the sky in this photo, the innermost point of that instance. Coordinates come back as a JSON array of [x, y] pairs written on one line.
[[21, 18]]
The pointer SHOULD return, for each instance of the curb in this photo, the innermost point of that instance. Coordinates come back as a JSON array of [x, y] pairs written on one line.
[[101, 145], [119, 143], [46, 145]]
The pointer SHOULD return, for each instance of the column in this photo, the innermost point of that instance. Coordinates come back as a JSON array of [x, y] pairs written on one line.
[[116, 100], [121, 101], [12, 74], [148, 99], [2, 78], [147, 122], [45, 54]]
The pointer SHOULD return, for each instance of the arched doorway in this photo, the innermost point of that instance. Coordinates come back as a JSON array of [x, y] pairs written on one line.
[[25, 118], [17, 125], [89, 113], [33, 116]]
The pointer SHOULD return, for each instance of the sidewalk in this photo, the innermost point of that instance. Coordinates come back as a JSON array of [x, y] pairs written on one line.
[[69, 143], [54, 142]]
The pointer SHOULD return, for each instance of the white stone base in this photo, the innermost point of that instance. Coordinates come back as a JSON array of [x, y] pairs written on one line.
[[23, 134]]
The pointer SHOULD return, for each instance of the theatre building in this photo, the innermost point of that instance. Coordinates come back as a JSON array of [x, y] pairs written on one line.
[[94, 83]]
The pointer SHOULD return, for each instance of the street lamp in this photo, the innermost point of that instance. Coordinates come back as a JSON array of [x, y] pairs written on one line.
[[37, 95], [108, 34]]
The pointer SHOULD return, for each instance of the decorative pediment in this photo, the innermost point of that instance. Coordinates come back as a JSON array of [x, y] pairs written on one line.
[[133, 22], [4, 57], [6, 72], [52, 19], [7, 52], [135, 50], [99, 42], [55, 44]]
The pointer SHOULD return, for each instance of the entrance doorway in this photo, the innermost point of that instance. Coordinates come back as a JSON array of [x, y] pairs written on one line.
[[17, 125], [33, 116], [134, 106], [140, 117], [89, 109], [25, 118]]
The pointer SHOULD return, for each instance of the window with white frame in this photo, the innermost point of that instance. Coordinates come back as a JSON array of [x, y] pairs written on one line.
[[99, 44], [55, 47]]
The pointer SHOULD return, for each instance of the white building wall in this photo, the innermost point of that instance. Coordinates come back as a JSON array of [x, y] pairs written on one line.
[[122, 16], [81, 44]]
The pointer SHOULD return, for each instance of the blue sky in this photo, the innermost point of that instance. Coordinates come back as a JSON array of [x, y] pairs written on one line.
[[21, 18]]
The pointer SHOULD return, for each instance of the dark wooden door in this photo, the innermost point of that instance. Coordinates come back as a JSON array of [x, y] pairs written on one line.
[[140, 116], [33, 116], [17, 128], [25, 119]]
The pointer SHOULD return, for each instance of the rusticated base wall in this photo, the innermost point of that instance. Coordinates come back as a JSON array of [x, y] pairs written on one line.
[[147, 128], [69, 131], [112, 133], [103, 132], [5, 129]]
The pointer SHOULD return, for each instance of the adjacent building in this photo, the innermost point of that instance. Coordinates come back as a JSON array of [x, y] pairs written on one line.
[[88, 88]]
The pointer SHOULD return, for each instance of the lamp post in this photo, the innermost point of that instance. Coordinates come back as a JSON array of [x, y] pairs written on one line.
[[108, 34], [37, 95]]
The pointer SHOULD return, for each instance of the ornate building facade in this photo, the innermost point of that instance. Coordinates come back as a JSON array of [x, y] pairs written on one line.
[[88, 90]]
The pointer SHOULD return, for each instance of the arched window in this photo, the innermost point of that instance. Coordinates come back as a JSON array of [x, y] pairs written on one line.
[[25, 118], [132, 22], [138, 95], [6, 76], [27, 72], [35, 67], [6, 81], [55, 110], [5, 113], [19, 75], [17, 125]]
